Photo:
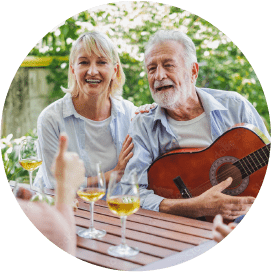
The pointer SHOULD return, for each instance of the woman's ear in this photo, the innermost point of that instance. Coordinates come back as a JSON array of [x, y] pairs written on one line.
[[116, 71], [72, 69]]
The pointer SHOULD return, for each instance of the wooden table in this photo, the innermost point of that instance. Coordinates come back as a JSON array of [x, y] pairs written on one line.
[[163, 239]]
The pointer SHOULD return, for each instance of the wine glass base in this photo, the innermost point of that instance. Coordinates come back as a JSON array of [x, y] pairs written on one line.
[[122, 251], [91, 233]]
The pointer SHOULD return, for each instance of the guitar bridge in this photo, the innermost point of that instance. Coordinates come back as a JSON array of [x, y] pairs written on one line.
[[182, 188]]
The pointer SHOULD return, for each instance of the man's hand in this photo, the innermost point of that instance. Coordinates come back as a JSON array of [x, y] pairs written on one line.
[[213, 202], [221, 230]]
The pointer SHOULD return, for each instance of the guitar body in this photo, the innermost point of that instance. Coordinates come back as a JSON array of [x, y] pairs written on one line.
[[202, 169]]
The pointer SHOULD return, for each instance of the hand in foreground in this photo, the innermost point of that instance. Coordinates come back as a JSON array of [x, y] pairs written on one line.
[[213, 202], [145, 108], [221, 230], [68, 170], [126, 154]]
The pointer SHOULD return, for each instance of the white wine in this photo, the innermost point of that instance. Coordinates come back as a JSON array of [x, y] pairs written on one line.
[[30, 164], [123, 205], [91, 194]]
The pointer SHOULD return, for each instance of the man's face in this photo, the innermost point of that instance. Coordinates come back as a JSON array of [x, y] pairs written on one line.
[[169, 79]]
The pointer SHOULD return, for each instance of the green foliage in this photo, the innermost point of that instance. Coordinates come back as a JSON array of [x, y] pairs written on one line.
[[130, 24], [10, 156]]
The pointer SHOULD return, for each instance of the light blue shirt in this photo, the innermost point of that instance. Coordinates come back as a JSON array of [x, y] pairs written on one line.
[[152, 135], [61, 116]]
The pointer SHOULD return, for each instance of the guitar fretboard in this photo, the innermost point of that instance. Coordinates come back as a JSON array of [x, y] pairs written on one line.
[[253, 161]]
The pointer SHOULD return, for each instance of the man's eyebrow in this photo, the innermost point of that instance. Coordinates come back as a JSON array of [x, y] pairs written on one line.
[[168, 59]]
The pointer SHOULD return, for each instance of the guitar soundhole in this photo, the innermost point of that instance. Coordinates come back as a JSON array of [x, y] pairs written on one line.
[[229, 170], [221, 169]]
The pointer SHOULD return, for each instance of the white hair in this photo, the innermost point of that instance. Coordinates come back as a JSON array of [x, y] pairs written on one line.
[[100, 45], [161, 36]]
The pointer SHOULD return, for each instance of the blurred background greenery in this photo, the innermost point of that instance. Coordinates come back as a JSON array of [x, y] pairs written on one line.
[[130, 24]]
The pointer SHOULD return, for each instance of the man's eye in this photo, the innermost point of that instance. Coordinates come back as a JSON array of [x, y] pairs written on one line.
[[151, 69]]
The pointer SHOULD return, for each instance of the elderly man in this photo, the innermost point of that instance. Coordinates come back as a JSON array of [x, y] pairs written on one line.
[[186, 116]]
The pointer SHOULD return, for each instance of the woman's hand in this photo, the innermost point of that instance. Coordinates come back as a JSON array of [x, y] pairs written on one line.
[[125, 154], [145, 108]]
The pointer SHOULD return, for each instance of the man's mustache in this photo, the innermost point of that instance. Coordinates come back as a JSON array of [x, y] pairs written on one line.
[[162, 83]]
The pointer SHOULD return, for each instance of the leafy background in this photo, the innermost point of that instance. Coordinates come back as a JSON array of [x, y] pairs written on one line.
[[130, 24]]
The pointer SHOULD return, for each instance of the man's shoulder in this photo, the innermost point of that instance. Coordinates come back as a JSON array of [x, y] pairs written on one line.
[[223, 95]]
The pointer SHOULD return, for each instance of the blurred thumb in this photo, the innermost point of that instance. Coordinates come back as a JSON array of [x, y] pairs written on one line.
[[224, 184], [63, 144]]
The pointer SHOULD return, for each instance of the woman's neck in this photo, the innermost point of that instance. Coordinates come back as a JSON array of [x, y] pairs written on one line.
[[91, 107]]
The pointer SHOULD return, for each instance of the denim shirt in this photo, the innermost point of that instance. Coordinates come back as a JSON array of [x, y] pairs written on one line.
[[153, 137], [61, 116]]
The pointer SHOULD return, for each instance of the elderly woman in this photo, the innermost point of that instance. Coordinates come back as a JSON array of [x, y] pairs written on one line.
[[92, 113]]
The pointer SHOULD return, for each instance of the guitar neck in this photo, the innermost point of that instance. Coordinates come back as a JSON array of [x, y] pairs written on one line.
[[254, 161]]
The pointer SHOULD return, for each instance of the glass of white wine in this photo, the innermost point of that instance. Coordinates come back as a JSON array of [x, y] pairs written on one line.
[[91, 192], [29, 156], [123, 204]]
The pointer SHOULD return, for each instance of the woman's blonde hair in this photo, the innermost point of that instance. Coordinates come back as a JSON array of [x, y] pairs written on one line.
[[100, 45]]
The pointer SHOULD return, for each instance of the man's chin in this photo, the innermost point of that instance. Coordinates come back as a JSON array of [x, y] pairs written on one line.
[[164, 101]]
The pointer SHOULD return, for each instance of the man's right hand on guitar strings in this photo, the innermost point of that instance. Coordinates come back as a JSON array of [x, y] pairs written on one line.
[[210, 203]]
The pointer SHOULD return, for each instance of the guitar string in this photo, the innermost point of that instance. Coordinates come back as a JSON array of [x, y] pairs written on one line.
[[226, 174]]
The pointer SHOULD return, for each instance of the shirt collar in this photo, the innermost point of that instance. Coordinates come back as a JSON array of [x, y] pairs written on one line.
[[209, 103], [68, 107], [116, 106]]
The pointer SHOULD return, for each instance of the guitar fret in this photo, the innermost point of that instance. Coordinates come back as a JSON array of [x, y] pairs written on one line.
[[246, 169], [250, 164], [250, 159], [268, 151], [261, 158], [268, 154], [255, 160]]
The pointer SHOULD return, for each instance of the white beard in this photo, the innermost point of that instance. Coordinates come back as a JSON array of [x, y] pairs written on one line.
[[166, 99]]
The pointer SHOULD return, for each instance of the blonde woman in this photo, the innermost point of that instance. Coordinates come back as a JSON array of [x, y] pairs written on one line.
[[92, 113]]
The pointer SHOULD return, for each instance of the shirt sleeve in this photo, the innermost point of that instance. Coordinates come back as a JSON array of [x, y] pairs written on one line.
[[48, 134], [140, 162]]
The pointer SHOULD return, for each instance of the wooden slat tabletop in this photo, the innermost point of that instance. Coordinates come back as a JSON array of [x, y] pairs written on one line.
[[157, 235]]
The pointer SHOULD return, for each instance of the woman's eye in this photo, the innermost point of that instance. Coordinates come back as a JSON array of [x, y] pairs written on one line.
[[102, 62], [82, 62]]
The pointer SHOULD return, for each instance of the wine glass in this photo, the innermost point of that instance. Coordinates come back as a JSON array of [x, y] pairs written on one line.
[[29, 156], [91, 192], [123, 204]]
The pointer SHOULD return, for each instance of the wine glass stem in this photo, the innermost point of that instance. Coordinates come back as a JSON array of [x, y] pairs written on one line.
[[123, 228], [30, 180], [91, 208]]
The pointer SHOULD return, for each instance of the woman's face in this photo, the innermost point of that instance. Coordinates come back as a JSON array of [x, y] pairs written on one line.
[[93, 74]]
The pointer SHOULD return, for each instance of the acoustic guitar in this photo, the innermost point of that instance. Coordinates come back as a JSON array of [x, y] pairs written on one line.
[[242, 153]]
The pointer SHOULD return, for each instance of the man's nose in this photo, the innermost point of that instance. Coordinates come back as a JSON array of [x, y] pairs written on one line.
[[160, 73]]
